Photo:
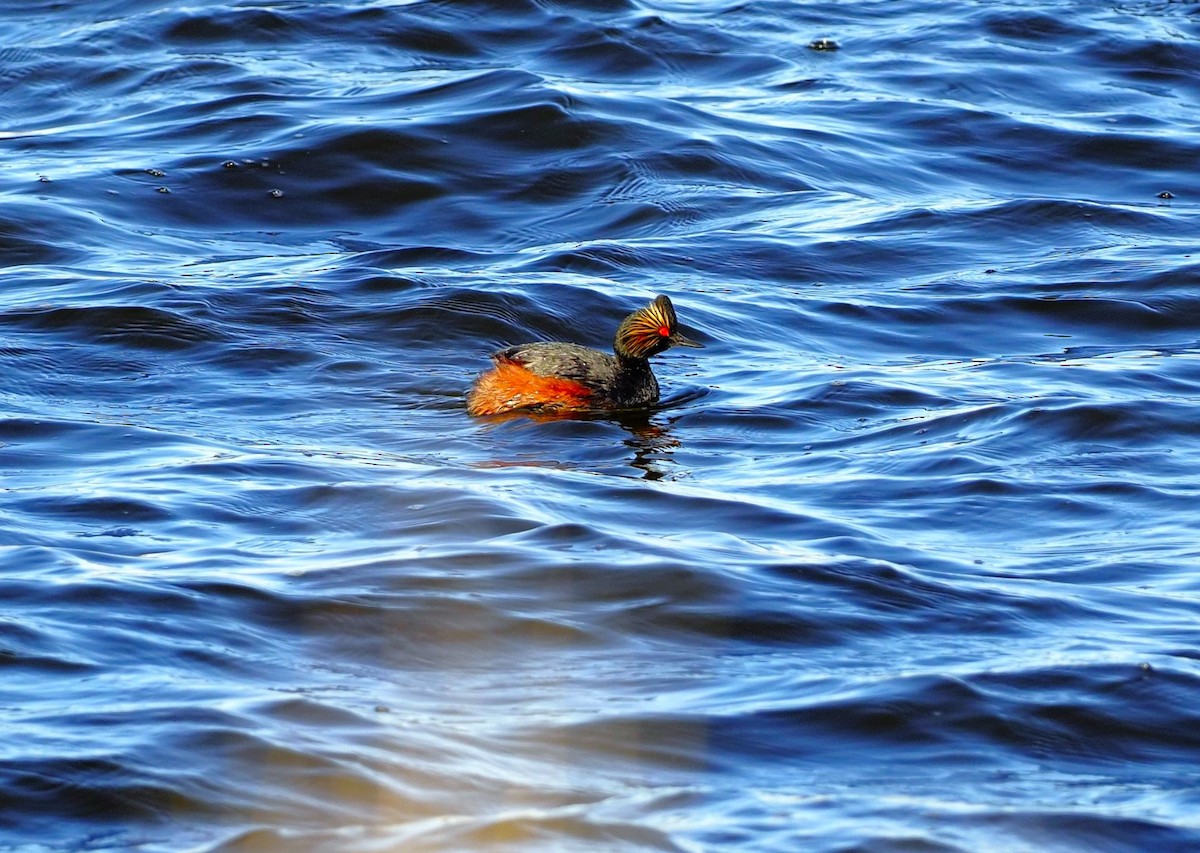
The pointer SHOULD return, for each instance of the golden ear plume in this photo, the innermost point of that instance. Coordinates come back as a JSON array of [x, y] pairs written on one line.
[[647, 330]]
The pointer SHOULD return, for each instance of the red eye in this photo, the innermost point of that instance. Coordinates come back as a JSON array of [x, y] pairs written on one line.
[[664, 331]]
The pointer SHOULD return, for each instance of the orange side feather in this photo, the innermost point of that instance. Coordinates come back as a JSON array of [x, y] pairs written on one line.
[[509, 386]]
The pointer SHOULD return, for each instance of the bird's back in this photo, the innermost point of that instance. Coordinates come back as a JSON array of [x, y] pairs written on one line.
[[590, 367]]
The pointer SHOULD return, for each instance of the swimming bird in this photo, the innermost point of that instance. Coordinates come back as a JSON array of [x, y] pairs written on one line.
[[558, 377]]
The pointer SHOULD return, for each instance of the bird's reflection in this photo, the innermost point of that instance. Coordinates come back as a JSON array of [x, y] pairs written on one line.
[[651, 439], [652, 442]]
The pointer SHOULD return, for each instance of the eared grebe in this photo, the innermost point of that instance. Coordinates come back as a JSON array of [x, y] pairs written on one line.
[[552, 377]]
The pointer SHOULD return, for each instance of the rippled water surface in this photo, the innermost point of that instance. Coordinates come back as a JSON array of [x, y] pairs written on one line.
[[905, 560]]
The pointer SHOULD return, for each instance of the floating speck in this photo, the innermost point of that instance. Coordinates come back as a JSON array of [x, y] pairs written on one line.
[[1166, 194], [156, 173], [163, 190], [229, 164], [276, 193], [823, 44], [989, 272], [42, 179]]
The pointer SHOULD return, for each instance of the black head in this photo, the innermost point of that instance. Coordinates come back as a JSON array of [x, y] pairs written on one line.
[[650, 330]]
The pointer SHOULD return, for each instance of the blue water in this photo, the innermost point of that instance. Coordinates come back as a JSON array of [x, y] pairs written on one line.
[[906, 559]]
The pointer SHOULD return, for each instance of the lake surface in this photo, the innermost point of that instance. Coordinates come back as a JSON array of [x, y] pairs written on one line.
[[906, 559]]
